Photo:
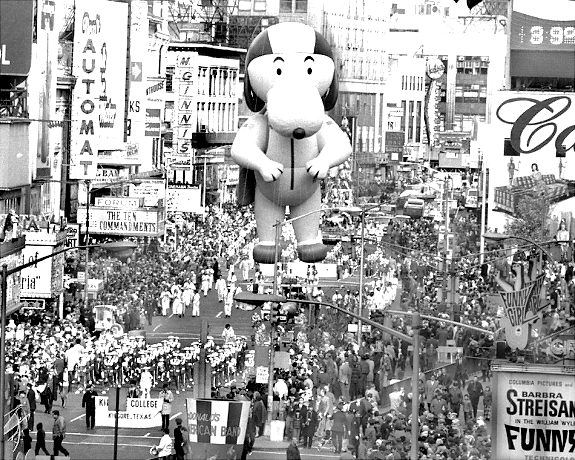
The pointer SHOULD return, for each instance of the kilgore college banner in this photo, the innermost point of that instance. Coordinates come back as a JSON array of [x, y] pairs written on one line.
[[534, 412], [139, 413], [216, 426]]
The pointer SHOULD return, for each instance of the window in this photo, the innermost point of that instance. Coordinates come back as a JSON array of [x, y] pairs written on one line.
[[245, 5], [301, 6], [260, 5], [293, 6]]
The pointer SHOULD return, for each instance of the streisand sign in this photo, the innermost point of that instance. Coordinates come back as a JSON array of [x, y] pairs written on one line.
[[533, 412]]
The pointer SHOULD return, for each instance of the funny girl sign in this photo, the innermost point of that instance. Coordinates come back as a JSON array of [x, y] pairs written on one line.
[[534, 412]]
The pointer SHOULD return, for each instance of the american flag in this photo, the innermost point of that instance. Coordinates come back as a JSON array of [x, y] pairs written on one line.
[[217, 421]]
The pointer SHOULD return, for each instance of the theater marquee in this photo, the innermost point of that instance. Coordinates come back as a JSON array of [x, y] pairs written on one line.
[[533, 412], [129, 222]]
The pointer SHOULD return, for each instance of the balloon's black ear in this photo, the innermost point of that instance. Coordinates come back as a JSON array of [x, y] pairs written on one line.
[[330, 98], [254, 103]]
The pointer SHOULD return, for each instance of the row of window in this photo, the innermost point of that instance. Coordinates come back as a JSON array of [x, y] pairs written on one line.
[[293, 6], [360, 35], [211, 81], [216, 117], [362, 66], [412, 83]]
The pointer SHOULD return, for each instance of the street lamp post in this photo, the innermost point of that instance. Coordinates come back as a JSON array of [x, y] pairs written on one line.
[[86, 242]]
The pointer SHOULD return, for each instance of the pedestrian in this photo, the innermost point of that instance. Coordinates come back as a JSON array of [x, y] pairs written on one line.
[[63, 389], [229, 303], [475, 391], [22, 401], [46, 396], [467, 409], [146, 382], [31, 395], [259, 414], [292, 452], [40, 440], [165, 447], [59, 433], [228, 333], [487, 400], [338, 428], [309, 425], [221, 289], [180, 440], [167, 398], [27, 440], [89, 402], [196, 304]]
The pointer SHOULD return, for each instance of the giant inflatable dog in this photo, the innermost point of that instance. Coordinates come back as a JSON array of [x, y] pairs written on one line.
[[290, 144]]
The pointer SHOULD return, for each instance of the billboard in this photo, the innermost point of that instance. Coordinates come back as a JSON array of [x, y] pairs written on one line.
[[533, 412], [100, 33], [132, 222], [186, 198], [16, 21], [529, 149]]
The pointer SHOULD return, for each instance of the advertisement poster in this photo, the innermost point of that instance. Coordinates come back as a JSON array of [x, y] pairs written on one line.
[[530, 152], [533, 413], [139, 413]]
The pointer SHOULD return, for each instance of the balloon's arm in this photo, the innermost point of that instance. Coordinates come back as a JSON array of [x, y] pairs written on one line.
[[250, 142], [333, 143]]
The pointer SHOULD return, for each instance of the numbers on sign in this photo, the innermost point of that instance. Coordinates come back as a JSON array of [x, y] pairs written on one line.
[[556, 35], [536, 35], [569, 35]]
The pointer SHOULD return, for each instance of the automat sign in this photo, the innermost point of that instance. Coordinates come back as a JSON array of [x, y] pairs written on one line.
[[534, 412]]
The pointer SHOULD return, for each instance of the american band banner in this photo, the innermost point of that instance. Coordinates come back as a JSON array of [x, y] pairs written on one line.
[[217, 421]]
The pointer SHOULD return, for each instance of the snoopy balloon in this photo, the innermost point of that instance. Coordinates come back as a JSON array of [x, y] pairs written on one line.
[[290, 144]]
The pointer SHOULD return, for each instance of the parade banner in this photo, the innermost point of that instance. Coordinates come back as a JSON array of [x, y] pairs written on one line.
[[533, 412], [139, 413], [217, 421]]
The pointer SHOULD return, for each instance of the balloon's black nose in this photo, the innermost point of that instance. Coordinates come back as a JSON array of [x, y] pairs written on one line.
[[298, 133]]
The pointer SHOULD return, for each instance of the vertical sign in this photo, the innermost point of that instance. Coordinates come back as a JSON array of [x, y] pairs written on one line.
[[85, 98], [112, 74], [187, 112], [99, 95], [138, 83], [47, 53]]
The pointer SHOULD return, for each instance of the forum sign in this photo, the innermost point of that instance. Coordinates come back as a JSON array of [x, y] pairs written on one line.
[[533, 412]]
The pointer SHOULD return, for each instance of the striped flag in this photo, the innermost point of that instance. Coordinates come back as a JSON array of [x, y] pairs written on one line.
[[214, 421]]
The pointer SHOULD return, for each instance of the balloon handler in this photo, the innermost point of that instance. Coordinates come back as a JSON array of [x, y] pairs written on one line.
[[290, 143]]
